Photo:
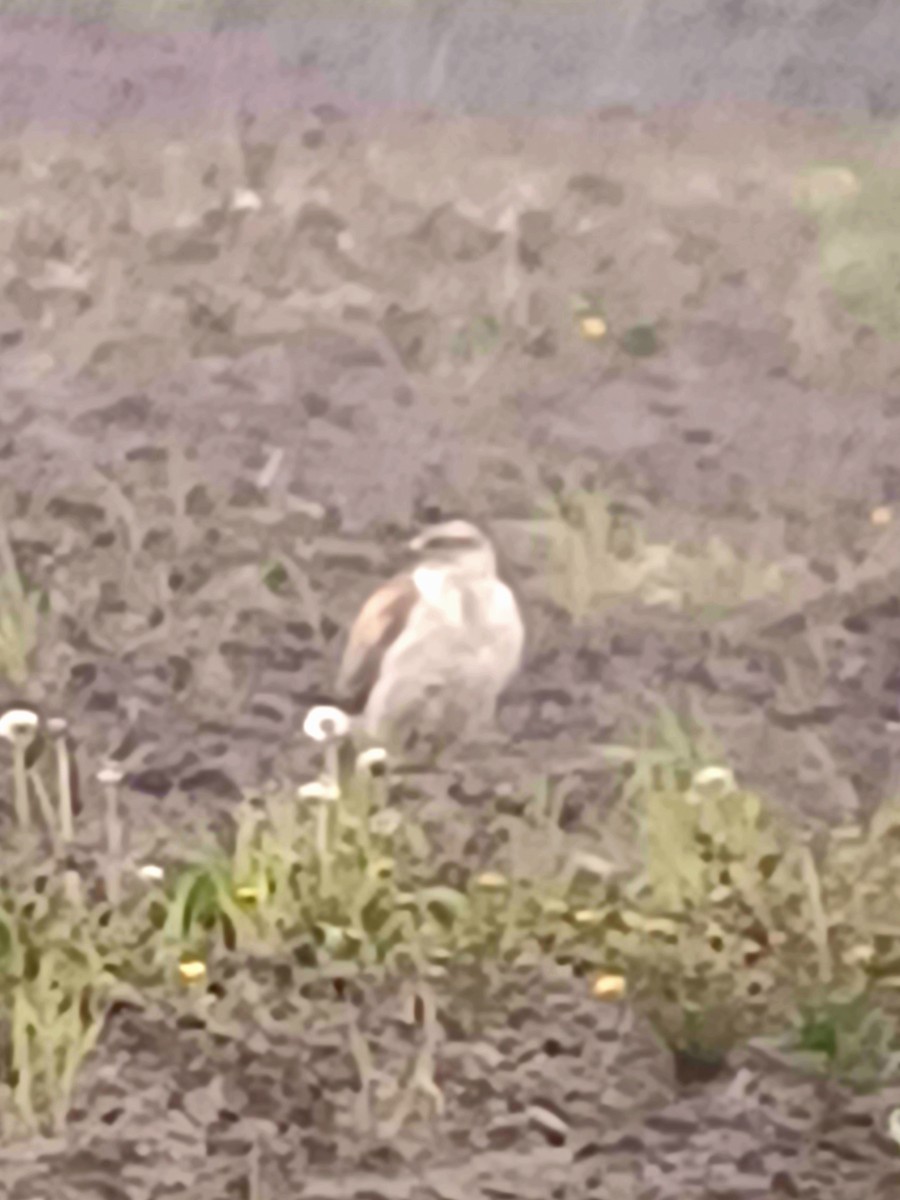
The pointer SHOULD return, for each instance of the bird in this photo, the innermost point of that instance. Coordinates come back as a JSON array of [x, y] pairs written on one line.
[[431, 650]]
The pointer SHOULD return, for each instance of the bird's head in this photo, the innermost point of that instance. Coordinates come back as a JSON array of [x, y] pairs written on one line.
[[457, 546]]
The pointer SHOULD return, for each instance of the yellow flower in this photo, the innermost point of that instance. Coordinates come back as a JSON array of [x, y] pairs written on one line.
[[588, 916], [609, 987], [192, 970], [490, 881], [593, 328]]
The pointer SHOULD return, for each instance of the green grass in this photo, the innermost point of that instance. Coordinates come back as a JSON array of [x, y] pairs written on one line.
[[20, 610], [718, 922], [596, 554], [858, 216]]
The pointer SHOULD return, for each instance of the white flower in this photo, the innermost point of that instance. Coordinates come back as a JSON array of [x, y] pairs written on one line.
[[373, 761], [19, 725], [319, 789], [593, 864], [246, 200], [714, 775], [386, 822], [325, 723], [151, 871]]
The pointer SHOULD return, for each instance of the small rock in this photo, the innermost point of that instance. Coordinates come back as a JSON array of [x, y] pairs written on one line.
[[211, 779], [452, 236], [553, 1127], [597, 189]]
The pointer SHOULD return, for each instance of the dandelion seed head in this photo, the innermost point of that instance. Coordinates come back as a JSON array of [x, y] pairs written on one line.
[[325, 723], [151, 871], [319, 789], [19, 725], [709, 776], [373, 761]]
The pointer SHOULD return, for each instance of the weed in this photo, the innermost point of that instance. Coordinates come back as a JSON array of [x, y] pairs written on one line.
[[20, 609], [735, 929], [55, 988], [705, 938], [597, 555], [641, 341], [721, 925], [853, 1040], [859, 239], [322, 870], [478, 337], [20, 728]]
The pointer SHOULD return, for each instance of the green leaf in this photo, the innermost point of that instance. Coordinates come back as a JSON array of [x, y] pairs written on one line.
[[445, 904], [195, 901], [6, 944], [641, 341], [275, 577]]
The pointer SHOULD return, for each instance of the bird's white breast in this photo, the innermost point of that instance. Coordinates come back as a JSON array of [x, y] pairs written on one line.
[[432, 586], [483, 612], [495, 608], [505, 621]]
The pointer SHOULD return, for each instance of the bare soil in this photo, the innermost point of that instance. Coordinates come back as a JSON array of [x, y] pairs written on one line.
[[239, 330]]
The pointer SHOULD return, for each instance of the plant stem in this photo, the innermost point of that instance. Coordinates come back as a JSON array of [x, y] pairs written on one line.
[[113, 842], [44, 802], [20, 773], [324, 824], [64, 785]]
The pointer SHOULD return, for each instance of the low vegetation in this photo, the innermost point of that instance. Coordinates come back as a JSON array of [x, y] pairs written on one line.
[[597, 554], [720, 924]]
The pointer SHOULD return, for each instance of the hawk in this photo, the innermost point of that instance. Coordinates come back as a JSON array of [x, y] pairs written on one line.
[[433, 648]]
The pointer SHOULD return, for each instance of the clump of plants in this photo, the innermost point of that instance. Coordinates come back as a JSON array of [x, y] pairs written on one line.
[[737, 928], [718, 921], [20, 610], [62, 963], [848, 1001], [320, 870], [597, 553], [699, 932]]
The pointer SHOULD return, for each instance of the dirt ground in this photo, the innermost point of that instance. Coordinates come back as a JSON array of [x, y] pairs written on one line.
[[235, 341]]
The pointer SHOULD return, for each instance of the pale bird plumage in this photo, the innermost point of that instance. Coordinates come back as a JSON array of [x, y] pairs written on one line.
[[433, 648]]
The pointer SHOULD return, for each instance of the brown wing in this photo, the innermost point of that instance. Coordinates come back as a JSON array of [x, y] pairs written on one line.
[[379, 624]]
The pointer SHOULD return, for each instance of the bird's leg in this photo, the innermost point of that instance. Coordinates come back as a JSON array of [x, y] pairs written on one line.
[[424, 752], [485, 739]]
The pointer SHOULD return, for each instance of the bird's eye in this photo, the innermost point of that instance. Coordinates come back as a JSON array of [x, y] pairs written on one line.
[[450, 543]]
